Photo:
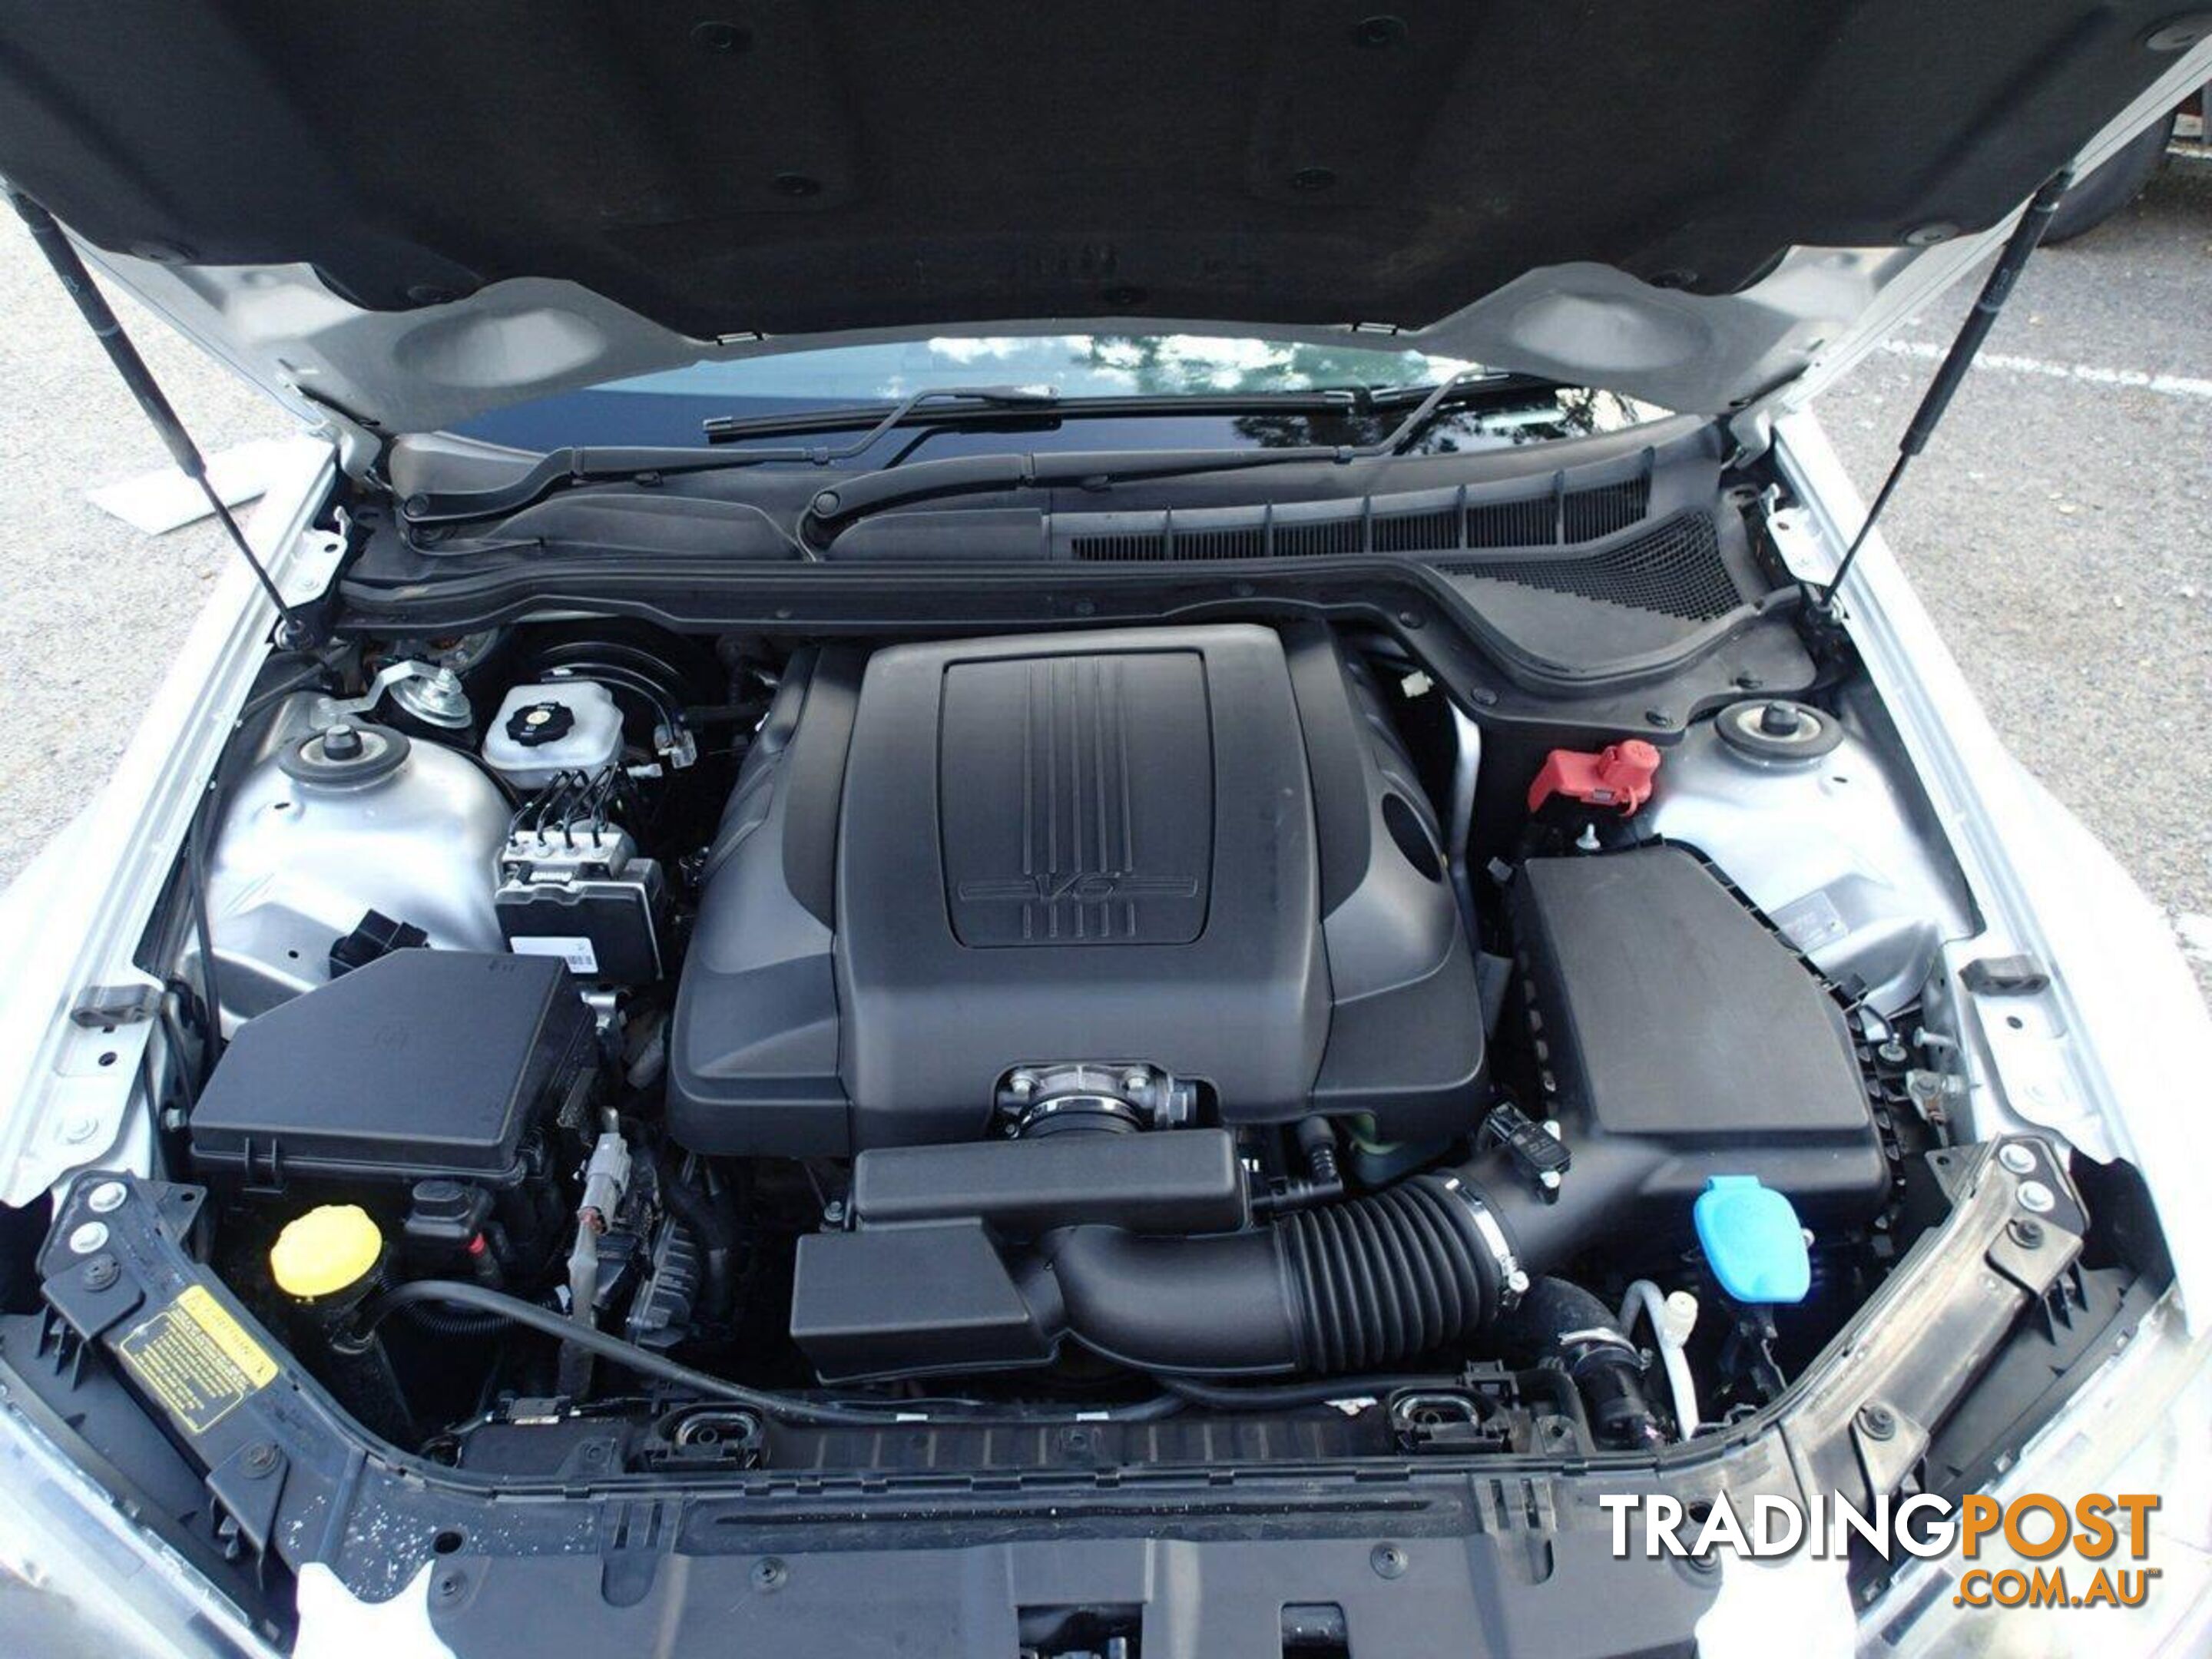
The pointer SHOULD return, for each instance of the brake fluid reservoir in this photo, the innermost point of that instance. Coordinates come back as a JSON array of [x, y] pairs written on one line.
[[1802, 813], [543, 730], [336, 823]]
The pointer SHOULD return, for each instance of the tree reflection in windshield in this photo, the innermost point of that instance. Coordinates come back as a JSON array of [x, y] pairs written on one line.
[[1186, 365]]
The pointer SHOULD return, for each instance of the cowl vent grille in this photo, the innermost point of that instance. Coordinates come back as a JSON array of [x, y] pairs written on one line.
[[1131, 548], [1674, 569], [1413, 533], [1530, 523], [1604, 510], [1320, 538], [1558, 517]]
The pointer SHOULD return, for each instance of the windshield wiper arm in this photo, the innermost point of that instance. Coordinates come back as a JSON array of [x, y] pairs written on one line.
[[578, 463], [561, 468], [834, 509]]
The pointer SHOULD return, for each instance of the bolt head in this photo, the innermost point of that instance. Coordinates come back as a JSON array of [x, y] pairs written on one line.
[[1877, 1422], [2016, 1157], [87, 1237], [106, 1198], [2036, 1198], [1781, 720]]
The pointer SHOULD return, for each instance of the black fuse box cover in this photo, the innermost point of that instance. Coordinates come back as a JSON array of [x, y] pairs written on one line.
[[421, 1063]]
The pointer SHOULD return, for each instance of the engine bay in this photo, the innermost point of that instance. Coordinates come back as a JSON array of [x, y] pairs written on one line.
[[1141, 1024], [797, 962]]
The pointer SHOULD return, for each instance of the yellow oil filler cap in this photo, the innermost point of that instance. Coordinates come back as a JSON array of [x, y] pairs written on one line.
[[333, 1248]]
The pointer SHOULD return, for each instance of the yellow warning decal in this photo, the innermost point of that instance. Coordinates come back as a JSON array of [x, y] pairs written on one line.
[[197, 1359]]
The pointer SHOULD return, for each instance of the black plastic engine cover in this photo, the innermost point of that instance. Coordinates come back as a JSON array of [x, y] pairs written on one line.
[[1196, 848]]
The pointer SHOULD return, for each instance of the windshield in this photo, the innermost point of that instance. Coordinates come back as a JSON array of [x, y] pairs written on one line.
[[1073, 364], [668, 407]]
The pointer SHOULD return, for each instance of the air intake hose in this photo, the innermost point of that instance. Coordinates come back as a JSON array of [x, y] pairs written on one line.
[[1351, 1288]]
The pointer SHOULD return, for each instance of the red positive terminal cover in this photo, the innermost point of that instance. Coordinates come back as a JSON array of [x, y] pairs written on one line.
[[1618, 775]]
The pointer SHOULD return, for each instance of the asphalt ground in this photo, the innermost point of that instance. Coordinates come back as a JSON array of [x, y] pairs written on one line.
[[2058, 528]]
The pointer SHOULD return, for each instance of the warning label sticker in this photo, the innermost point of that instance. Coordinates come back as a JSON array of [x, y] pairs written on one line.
[[197, 1359]]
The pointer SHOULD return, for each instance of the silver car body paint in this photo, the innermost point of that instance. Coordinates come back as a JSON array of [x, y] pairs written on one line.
[[297, 863], [69, 1095], [2114, 1054]]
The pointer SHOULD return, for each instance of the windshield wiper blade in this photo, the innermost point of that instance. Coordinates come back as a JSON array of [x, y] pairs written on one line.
[[989, 400], [835, 508], [560, 469], [732, 428], [578, 463]]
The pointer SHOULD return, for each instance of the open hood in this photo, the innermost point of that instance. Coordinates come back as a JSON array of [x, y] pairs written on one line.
[[400, 217]]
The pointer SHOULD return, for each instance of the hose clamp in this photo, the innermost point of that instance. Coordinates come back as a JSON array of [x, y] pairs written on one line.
[[1512, 1278]]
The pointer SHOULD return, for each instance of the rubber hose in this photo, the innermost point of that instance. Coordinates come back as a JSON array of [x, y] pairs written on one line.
[[1286, 1396], [451, 1321], [1353, 1287], [1560, 1321], [785, 1407]]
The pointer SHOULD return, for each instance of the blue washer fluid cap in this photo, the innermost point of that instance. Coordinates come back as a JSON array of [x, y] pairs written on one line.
[[1753, 1241]]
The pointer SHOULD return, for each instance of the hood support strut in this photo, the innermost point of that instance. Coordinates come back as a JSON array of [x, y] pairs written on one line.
[[1975, 329], [99, 316]]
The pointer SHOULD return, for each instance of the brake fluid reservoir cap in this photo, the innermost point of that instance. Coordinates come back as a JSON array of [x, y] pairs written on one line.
[[331, 1248], [1753, 1241]]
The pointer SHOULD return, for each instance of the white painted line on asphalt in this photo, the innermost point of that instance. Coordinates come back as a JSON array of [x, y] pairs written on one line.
[[2166, 386], [2195, 933], [165, 498]]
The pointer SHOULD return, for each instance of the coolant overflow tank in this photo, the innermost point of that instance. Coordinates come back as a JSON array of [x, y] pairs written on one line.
[[335, 823]]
